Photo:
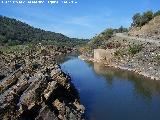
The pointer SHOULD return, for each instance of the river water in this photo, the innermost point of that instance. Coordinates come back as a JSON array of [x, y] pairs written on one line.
[[110, 94]]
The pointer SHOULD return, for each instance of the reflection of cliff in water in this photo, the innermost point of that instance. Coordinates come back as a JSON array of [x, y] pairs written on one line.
[[63, 58], [144, 86]]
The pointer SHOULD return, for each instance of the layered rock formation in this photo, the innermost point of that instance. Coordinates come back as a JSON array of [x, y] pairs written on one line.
[[39, 89]]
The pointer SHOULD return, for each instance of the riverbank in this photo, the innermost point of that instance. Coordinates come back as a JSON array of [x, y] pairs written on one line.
[[122, 67], [35, 87]]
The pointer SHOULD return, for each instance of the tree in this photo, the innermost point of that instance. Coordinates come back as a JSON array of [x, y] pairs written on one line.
[[136, 20], [157, 13], [146, 17], [109, 32], [122, 29], [140, 20]]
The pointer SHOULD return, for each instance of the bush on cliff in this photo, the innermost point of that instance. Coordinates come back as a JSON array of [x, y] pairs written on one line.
[[157, 58], [134, 49], [140, 20]]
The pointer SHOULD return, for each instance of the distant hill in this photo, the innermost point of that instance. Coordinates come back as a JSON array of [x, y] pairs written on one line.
[[149, 30], [13, 32]]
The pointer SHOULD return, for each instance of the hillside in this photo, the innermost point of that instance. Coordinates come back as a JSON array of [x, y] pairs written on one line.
[[101, 40], [139, 53], [144, 25], [15, 32], [149, 30]]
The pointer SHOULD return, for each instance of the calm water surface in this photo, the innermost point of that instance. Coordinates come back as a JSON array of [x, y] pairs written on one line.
[[110, 94]]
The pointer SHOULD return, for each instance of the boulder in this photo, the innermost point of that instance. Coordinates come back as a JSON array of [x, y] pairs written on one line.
[[79, 107], [51, 87]]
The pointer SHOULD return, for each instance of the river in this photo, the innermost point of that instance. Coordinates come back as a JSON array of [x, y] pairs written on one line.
[[111, 94]]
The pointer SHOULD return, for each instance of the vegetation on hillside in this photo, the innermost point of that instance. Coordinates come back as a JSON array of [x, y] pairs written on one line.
[[100, 41], [141, 19], [15, 49], [14, 32], [133, 49], [157, 58]]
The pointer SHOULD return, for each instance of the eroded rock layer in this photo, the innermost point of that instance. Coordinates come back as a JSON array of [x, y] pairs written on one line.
[[38, 88]]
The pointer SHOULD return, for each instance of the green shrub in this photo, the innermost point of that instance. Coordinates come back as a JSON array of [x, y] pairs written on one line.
[[157, 58], [35, 65], [134, 49], [108, 32]]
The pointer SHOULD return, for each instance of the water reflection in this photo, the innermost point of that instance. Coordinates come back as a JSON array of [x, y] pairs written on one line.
[[111, 94], [142, 85], [63, 58]]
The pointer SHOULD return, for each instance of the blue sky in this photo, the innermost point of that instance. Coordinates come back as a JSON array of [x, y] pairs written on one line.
[[81, 20]]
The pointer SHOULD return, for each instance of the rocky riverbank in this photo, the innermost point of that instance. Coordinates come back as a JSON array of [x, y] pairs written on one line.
[[35, 87], [138, 56], [121, 67]]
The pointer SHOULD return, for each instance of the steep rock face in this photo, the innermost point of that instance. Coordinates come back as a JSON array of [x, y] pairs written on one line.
[[150, 30], [39, 90]]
